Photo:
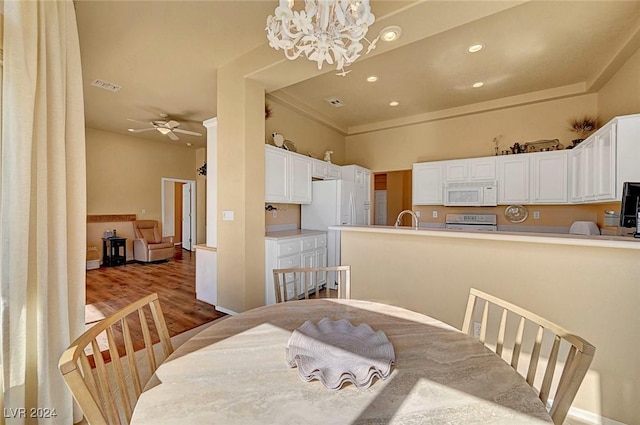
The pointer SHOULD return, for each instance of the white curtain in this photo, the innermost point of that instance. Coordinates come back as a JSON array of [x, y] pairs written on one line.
[[42, 205]]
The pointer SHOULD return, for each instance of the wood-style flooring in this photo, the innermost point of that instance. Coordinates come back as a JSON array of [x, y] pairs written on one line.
[[111, 288]]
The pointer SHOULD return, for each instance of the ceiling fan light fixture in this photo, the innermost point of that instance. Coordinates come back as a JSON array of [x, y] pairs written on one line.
[[326, 30], [164, 131]]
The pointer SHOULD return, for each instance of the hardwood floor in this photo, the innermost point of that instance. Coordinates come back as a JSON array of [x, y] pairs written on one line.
[[111, 288]]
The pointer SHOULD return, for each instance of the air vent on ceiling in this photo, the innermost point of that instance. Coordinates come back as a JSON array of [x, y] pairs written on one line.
[[334, 101], [105, 85]]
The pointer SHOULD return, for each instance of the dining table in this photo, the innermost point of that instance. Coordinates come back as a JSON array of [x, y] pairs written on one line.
[[236, 372]]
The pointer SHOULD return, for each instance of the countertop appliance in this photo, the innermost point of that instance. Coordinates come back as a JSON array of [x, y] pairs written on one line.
[[482, 222], [584, 228], [470, 194], [334, 202]]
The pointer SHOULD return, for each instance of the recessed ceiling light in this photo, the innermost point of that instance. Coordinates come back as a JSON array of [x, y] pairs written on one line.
[[131, 129], [372, 79], [189, 143], [478, 84], [475, 48], [391, 33], [394, 103]]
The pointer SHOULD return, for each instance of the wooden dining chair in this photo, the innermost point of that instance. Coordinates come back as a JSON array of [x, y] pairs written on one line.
[[576, 363], [107, 390], [302, 283]]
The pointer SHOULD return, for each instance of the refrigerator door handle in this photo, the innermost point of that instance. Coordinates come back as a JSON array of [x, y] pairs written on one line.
[[352, 209]]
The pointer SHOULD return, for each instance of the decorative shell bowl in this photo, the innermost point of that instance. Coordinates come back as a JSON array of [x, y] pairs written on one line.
[[336, 352]]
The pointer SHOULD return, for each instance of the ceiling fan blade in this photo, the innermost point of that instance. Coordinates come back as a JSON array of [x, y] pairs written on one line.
[[192, 133], [172, 136], [172, 124], [141, 122], [141, 130]]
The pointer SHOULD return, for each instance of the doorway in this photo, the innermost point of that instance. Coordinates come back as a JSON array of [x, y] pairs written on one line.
[[179, 211], [392, 194]]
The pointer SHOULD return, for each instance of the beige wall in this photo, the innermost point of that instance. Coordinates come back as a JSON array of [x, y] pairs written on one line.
[[621, 95], [309, 136], [467, 136], [286, 214], [550, 215], [124, 173], [593, 292]]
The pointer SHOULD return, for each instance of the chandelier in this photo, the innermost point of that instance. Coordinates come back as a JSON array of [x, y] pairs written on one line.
[[326, 30]]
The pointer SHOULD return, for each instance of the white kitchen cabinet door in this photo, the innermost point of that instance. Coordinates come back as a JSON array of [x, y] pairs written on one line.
[[321, 261], [334, 173], [513, 179], [605, 163], [300, 179], [276, 175], [549, 177], [427, 183], [482, 169], [320, 169], [456, 171]]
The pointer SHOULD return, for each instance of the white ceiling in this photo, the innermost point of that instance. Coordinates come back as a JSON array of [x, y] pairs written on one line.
[[165, 54]]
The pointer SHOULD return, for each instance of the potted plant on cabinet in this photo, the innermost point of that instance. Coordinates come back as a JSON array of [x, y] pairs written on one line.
[[583, 128]]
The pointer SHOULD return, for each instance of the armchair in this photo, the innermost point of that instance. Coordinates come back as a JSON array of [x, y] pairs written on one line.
[[149, 245]]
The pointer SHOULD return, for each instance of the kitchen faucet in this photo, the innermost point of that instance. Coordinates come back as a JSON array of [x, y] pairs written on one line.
[[413, 214]]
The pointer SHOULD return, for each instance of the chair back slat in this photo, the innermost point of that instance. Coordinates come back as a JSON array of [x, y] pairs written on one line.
[[104, 390], [537, 348], [308, 282], [545, 388], [535, 356], [515, 357], [483, 326], [501, 331], [119, 374], [146, 336], [131, 360]]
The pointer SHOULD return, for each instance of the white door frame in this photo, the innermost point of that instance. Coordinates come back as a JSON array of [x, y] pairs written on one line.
[[192, 185]]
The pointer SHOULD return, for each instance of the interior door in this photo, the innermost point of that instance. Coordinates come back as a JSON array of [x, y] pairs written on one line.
[[187, 237]]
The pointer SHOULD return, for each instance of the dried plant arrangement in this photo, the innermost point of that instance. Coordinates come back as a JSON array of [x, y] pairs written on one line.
[[584, 127]]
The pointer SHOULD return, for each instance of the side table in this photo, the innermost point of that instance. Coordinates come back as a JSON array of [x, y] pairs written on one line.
[[114, 251]]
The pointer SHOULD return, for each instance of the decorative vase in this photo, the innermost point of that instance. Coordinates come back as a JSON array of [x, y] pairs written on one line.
[[576, 142]]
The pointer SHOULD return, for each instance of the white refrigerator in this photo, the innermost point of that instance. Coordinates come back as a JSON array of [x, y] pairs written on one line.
[[334, 203]]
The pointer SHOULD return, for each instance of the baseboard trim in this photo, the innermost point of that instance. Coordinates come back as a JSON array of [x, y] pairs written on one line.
[[225, 310], [592, 418]]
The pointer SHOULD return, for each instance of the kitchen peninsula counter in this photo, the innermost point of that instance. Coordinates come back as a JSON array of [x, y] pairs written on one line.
[[587, 284], [606, 241]]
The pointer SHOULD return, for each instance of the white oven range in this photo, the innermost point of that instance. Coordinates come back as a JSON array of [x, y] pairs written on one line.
[[475, 222]]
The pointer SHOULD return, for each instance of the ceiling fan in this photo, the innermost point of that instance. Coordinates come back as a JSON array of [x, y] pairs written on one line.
[[165, 126]]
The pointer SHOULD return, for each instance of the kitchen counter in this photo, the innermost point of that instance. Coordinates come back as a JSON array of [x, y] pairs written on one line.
[[294, 233], [586, 284], [623, 242]]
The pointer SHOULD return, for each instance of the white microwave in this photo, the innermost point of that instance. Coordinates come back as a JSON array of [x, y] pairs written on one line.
[[471, 194]]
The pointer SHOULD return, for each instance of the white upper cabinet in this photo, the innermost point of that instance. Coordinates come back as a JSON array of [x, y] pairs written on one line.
[[324, 170], [456, 171], [276, 175], [513, 179], [300, 179], [427, 183], [287, 177], [549, 177], [472, 169], [482, 168], [605, 163], [605, 160]]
